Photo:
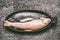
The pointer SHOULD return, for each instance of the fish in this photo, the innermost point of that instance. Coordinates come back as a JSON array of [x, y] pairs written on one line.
[[35, 24]]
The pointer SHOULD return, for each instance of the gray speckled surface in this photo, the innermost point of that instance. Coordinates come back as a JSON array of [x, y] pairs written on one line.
[[50, 6]]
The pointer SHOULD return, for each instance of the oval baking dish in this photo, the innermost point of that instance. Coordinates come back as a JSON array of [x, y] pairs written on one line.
[[15, 17]]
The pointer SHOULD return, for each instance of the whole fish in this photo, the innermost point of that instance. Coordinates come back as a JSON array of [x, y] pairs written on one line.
[[29, 25]]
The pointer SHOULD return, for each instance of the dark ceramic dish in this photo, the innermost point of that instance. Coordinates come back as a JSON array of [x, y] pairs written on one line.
[[14, 17]]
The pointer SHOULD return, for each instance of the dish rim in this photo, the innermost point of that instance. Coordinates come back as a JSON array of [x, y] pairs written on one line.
[[35, 11]]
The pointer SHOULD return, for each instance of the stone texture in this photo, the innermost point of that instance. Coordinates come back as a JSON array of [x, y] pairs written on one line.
[[50, 6]]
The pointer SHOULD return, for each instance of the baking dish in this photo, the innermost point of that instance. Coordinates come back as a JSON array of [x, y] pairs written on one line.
[[15, 15]]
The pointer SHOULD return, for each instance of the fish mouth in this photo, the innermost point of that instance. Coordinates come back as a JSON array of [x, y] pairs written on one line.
[[32, 14]]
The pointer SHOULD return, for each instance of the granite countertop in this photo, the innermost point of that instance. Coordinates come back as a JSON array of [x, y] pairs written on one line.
[[50, 6]]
